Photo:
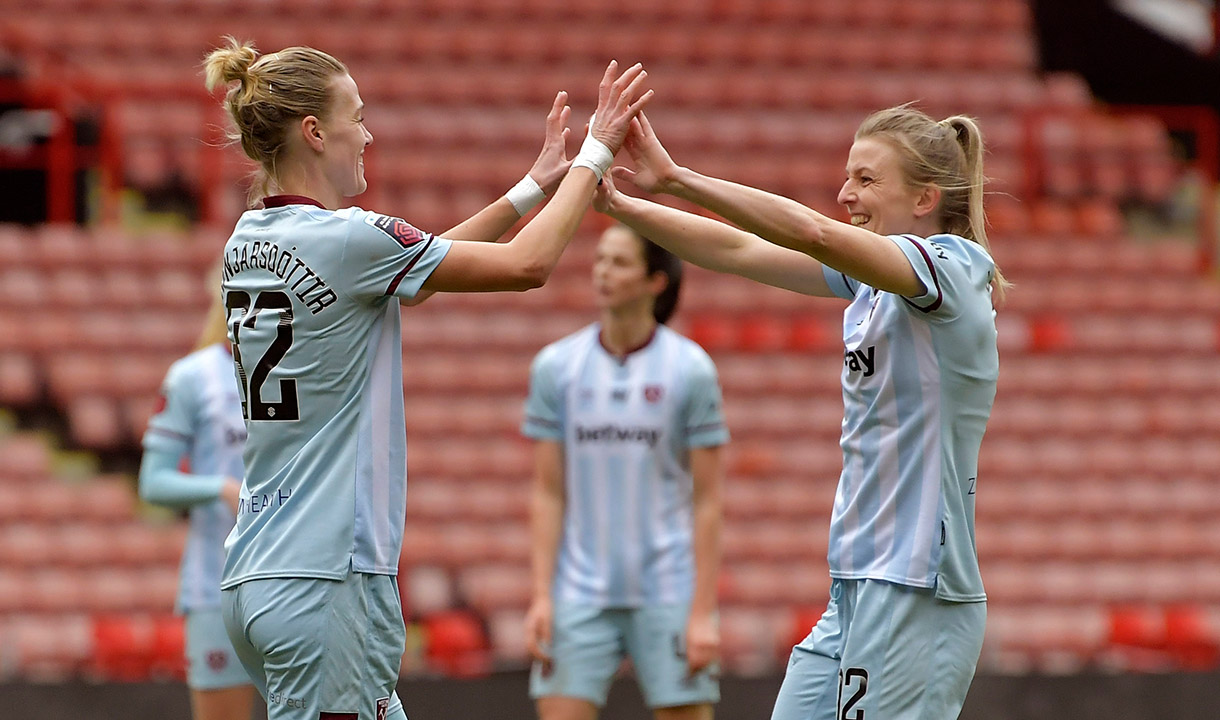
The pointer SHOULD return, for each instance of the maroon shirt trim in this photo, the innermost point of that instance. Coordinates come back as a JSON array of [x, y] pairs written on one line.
[[275, 201]]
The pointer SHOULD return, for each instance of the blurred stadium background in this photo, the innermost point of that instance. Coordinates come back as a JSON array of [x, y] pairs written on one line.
[[1099, 501]]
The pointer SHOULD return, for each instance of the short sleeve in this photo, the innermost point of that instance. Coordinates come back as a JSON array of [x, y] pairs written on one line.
[[841, 285], [386, 256], [952, 269], [703, 413], [172, 426], [544, 405]]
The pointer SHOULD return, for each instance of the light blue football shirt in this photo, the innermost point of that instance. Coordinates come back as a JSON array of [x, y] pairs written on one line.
[[199, 418], [315, 322], [627, 427], [919, 378]]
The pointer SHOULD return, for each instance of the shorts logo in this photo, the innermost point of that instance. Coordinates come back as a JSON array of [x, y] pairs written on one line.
[[653, 393], [402, 231], [217, 660], [383, 707]]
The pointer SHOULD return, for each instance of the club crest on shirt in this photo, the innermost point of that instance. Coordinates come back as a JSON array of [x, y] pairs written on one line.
[[217, 660], [162, 401], [400, 230], [653, 393]]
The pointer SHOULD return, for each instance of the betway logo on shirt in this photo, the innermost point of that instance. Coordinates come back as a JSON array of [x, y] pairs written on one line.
[[610, 433]]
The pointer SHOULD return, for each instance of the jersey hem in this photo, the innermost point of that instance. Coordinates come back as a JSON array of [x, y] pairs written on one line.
[[907, 582], [925, 584], [962, 598], [383, 570], [266, 575]]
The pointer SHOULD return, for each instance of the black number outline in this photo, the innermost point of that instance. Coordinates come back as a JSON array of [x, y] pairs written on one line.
[[252, 405], [846, 677]]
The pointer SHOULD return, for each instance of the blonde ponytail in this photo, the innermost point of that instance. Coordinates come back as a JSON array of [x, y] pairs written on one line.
[[949, 155], [970, 139]]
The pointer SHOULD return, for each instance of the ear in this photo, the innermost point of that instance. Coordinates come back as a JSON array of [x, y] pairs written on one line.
[[311, 133], [657, 282], [927, 201]]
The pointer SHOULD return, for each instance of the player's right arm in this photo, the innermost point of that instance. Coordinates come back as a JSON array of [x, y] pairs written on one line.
[[546, 524], [859, 253], [170, 433], [527, 261], [712, 244], [545, 411], [161, 483]]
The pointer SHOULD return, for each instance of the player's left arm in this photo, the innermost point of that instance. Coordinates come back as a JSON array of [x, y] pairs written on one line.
[[493, 221], [702, 628]]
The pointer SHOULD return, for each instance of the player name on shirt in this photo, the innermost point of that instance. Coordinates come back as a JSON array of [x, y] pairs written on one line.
[[615, 433], [302, 281]]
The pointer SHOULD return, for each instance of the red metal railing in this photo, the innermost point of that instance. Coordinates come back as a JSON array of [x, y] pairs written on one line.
[[61, 158], [58, 157]]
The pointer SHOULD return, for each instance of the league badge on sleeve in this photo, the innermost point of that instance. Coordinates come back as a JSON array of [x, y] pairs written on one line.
[[400, 230]]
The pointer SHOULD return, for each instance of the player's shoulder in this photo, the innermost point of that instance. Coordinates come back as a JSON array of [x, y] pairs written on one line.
[[561, 350], [690, 351], [198, 363], [955, 246]]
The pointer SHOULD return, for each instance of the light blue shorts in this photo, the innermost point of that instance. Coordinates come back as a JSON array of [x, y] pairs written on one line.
[[589, 644], [211, 663], [883, 651], [320, 648]]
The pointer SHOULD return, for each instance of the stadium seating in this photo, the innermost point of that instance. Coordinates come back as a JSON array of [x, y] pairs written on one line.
[[1098, 487]]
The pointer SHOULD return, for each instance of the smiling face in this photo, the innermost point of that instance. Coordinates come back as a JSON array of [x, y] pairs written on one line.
[[620, 273], [345, 138], [876, 192]]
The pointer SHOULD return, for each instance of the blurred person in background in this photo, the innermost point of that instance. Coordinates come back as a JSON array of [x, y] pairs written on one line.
[[199, 419], [901, 635], [626, 511], [313, 286]]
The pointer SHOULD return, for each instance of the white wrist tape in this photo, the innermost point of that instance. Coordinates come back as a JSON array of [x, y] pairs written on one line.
[[525, 195], [594, 155]]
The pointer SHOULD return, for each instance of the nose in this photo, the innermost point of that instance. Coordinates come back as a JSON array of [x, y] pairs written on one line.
[[846, 193], [368, 137]]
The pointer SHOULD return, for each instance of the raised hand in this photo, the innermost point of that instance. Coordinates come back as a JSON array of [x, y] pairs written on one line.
[[619, 100], [553, 163], [654, 168]]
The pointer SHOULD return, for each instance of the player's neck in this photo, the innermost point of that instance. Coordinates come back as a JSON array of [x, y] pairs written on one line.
[[622, 333], [309, 182]]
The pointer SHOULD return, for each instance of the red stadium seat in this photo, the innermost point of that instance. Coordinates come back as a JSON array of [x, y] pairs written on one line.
[[457, 643], [168, 646], [26, 457], [122, 647]]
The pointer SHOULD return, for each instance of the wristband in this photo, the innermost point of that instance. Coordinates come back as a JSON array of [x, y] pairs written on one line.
[[525, 195], [594, 155]]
